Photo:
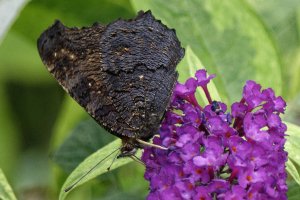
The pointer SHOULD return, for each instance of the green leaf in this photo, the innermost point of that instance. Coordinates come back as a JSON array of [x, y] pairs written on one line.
[[227, 36], [90, 162], [85, 139], [290, 167], [195, 64], [292, 145], [9, 10], [5, 189]]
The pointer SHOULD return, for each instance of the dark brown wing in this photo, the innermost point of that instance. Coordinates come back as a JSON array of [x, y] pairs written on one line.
[[122, 74]]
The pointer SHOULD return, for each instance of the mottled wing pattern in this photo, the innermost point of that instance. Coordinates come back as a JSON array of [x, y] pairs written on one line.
[[122, 74]]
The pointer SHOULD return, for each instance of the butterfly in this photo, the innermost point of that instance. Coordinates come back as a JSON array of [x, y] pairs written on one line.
[[122, 73]]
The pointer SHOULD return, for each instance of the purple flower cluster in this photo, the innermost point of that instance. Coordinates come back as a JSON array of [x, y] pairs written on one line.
[[214, 154]]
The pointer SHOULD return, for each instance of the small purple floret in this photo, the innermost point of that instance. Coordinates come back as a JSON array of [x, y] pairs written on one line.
[[217, 154]]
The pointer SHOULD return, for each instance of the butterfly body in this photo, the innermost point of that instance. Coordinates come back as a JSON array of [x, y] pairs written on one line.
[[122, 74]]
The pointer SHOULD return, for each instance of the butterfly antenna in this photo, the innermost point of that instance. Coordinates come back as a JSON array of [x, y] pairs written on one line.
[[151, 144], [92, 169]]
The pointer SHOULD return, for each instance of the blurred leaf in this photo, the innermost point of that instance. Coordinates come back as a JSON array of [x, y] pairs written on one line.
[[83, 192], [228, 38], [6, 192], [292, 113], [71, 13], [131, 179], [281, 18], [70, 115], [195, 64], [9, 134], [32, 165], [293, 191], [27, 102], [90, 10], [290, 167], [121, 195], [9, 10], [292, 68], [84, 140], [292, 145], [18, 53], [90, 162], [20, 61], [298, 21]]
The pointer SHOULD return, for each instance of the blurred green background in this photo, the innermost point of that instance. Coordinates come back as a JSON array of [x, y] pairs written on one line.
[[44, 134]]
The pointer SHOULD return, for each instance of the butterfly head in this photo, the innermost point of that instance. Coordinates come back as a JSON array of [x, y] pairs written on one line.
[[129, 147]]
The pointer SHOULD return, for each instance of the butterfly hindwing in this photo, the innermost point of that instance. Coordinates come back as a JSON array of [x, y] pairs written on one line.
[[122, 74]]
